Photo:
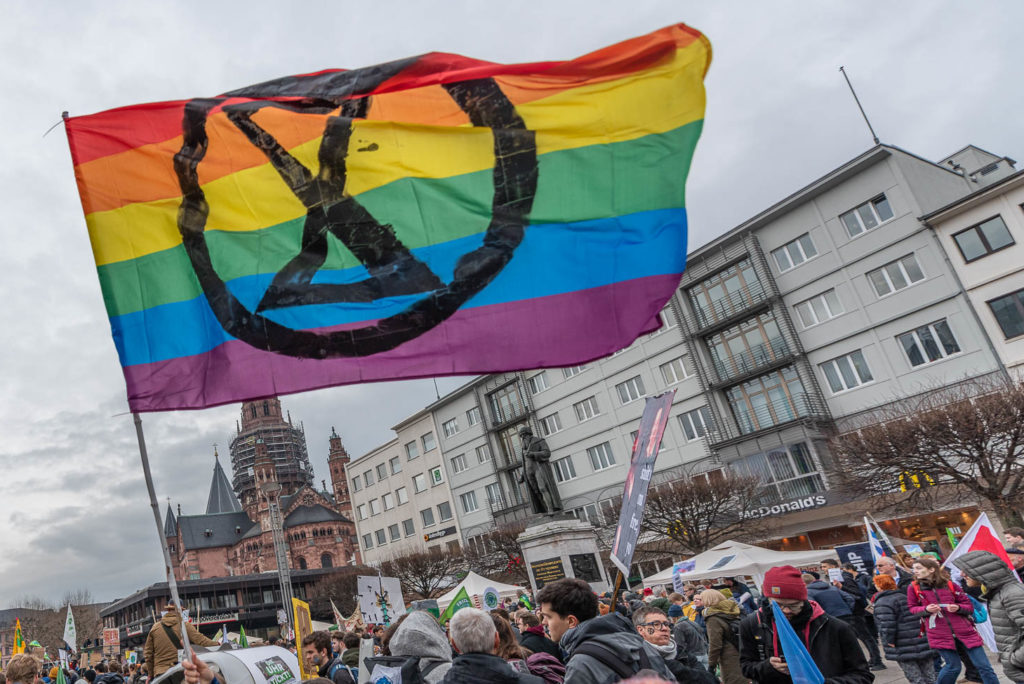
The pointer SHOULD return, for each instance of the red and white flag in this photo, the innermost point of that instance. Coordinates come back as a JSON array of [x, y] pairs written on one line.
[[981, 537]]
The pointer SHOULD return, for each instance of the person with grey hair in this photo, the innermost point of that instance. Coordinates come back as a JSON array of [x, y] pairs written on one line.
[[476, 640]]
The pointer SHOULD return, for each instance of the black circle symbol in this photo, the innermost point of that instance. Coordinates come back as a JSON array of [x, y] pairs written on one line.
[[393, 269]]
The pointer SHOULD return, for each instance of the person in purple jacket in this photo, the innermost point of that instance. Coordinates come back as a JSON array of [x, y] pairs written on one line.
[[945, 611]]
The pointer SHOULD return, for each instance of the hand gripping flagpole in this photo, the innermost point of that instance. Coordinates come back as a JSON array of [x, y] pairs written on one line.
[[171, 582]]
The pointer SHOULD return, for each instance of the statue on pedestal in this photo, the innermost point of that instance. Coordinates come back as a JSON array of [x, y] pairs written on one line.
[[538, 475]]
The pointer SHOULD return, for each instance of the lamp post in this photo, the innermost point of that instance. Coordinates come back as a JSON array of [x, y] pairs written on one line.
[[271, 489]]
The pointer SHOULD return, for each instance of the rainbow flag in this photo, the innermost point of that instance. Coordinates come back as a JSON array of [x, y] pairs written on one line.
[[437, 215]]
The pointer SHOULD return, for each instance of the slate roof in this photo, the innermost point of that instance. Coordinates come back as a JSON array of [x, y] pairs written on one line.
[[312, 514], [221, 526], [170, 525], [222, 499]]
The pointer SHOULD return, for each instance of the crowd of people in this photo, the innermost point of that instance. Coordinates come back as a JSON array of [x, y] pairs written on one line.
[[910, 613]]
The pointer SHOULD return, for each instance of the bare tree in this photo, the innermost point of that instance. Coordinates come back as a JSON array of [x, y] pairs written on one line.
[[498, 554], [425, 573], [80, 596], [969, 435], [341, 587], [693, 515]]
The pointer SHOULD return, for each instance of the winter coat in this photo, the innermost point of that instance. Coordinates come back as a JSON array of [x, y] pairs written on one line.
[[350, 656], [947, 625], [472, 668], [547, 667], [537, 641], [335, 671], [851, 587], [1005, 597], [833, 601], [160, 653], [719, 619], [420, 635], [690, 642], [742, 596], [109, 678], [831, 642], [618, 635], [899, 629]]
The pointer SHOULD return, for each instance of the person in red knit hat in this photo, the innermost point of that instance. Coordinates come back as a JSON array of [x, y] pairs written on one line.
[[831, 642]]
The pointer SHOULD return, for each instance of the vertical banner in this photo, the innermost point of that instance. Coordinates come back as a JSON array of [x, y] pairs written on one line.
[[678, 570], [303, 628], [858, 555], [638, 479]]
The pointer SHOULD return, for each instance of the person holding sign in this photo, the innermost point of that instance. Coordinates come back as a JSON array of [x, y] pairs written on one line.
[[831, 643]]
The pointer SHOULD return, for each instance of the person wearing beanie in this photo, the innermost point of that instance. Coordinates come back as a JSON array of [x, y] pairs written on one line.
[[675, 612], [831, 643]]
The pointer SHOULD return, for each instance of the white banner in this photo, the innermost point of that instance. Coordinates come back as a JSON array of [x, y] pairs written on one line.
[[70, 634], [380, 599]]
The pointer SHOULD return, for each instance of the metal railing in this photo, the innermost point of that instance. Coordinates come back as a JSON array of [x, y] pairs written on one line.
[[750, 360], [727, 307], [765, 417]]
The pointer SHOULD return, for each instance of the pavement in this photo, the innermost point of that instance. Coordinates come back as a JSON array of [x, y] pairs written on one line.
[[894, 675]]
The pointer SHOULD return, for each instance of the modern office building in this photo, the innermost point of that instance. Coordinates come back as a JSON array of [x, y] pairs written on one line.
[[785, 330]]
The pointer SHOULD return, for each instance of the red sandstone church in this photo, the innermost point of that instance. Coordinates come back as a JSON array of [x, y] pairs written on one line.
[[234, 536]]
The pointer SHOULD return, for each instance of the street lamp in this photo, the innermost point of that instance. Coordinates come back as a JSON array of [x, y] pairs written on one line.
[[271, 489]]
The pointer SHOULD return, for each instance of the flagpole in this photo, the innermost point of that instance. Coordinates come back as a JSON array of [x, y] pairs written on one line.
[[172, 584]]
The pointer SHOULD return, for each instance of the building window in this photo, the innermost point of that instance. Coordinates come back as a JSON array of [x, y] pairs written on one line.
[[436, 476], [601, 456], [846, 372], [674, 371], [459, 463], [787, 472], [630, 390], [867, 216], [429, 443], [302, 563], [983, 239], [374, 506], [394, 532], [564, 469], [388, 500], [326, 561], [368, 477], [1009, 313], [473, 415], [743, 348], [401, 495], [573, 371], [381, 537], [408, 527], [427, 515], [412, 450], [444, 511], [928, 343], [469, 503], [792, 254], [419, 483], [361, 509], [396, 465], [494, 494], [367, 541], [819, 308], [586, 409], [896, 276], [695, 423], [382, 472], [549, 425], [506, 403], [356, 484], [483, 453], [538, 383], [726, 293], [768, 400], [450, 427]]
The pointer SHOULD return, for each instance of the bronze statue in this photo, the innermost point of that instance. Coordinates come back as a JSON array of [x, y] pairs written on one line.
[[537, 474]]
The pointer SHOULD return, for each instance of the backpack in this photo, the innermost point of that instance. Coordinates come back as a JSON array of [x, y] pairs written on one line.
[[399, 669], [610, 659], [353, 672], [547, 667], [732, 635]]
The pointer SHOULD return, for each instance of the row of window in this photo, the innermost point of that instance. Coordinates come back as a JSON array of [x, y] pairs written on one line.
[[451, 427], [444, 514], [394, 464], [400, 496]]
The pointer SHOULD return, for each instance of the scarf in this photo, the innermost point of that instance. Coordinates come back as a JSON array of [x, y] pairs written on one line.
[[668, 651]]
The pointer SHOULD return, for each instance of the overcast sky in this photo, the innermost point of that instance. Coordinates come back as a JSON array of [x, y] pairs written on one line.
[[933, 76]]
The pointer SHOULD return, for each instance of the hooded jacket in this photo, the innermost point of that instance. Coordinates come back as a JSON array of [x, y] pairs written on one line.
[[1005, 596], [160, 652], [690, 641], [831, 642], [420, 635], [537, 641], [615, 633], [947, 627], [899, 629], [472, 668], [720, 619], [833, 601]]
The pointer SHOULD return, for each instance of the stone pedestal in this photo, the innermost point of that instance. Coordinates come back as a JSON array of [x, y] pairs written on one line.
[[562, 547]]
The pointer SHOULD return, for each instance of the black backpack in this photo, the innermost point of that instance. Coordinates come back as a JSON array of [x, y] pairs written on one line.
[[409, 666], [732, 635]]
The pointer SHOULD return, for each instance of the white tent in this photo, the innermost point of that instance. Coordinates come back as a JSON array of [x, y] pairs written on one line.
[[475, 586], [732, 558]]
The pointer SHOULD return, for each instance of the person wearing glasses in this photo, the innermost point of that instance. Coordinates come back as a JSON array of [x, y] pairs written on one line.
[[832, 643], [654, 626]]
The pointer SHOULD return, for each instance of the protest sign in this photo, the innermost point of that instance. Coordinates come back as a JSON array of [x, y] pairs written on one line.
[[380, 599]]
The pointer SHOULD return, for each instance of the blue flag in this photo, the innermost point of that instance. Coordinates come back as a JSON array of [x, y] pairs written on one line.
[[802, 668]]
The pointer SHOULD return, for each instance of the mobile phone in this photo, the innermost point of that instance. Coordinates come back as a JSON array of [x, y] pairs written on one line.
[[782, 657]]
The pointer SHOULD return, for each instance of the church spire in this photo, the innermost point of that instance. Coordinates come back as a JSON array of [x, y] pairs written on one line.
[[221, 499], [170, 523]]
